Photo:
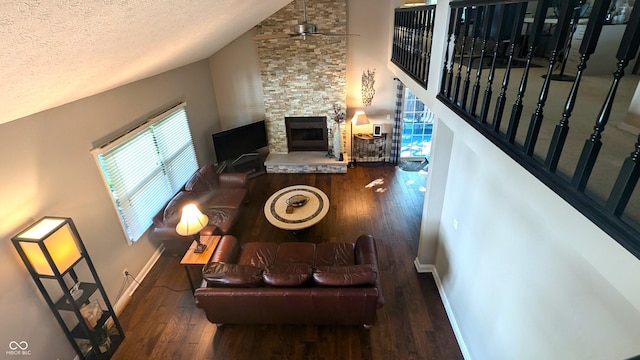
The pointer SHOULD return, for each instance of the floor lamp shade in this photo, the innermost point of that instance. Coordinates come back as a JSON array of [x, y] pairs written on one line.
[[50, 242]]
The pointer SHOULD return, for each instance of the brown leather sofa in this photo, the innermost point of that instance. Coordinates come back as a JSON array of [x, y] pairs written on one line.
[[333, 283], [220, 196]]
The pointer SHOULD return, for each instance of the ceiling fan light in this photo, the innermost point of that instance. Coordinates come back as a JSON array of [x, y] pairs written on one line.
[[306, 28]]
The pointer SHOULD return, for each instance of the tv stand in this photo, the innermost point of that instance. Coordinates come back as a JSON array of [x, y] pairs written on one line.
[[249, 163]]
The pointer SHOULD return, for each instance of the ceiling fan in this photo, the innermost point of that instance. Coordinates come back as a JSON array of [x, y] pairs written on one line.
[[303, 29]]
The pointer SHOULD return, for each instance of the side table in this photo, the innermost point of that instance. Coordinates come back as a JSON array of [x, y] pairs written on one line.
[[192, 259], [370, 148]]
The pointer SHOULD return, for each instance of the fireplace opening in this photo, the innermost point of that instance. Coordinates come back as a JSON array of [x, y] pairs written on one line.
[[307, 133]]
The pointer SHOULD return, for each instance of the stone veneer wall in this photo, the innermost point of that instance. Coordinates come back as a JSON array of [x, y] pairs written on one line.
[[303, 77]]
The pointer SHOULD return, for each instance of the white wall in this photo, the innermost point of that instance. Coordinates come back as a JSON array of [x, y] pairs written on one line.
[[48, 170], [525, 275], [235, 71]]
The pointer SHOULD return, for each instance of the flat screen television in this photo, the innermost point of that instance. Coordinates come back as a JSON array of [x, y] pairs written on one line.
[[231, 144]]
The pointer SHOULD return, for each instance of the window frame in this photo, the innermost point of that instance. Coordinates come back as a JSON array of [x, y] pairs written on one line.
[[130, 179], [411, 101]]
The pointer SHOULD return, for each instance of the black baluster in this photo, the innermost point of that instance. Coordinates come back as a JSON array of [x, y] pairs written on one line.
[[445, 67], [405, 38], [429, 41], [559, 36], [467, 80], [625, 183], [465, 32], [626, 52], [492, 70], [588, 46], [534, 38], [486, 28], [515, 34], [567, 47], [415, 41], [456, 35], [422, 69]]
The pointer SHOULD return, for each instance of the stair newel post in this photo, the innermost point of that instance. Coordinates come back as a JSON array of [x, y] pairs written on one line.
[[515, 34], [486, 26], [626, 52], [559, 36], [588, 46], [534, 38]]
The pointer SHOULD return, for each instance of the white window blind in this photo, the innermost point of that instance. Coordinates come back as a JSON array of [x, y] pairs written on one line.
[[145, 167]]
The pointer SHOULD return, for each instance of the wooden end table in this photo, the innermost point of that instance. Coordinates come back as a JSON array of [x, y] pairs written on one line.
[[192, 259]]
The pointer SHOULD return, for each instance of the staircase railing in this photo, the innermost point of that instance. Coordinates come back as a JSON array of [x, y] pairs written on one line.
[[485, 39]]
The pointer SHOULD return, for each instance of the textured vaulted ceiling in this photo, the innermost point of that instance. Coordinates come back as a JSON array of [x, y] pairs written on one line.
[[53, 52]]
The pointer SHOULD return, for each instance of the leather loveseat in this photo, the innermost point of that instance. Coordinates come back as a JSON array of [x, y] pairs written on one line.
[[219, 196], [333, 283]]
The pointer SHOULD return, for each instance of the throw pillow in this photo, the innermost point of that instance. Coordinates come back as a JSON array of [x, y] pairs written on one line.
[[295, 274], [352, 275], [232, 275]]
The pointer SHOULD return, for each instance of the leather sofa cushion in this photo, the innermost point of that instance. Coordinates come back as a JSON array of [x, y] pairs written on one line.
[[334, 254], [232, 275], [296, 252], [173, 210], [204, 179], [344, 275], [286, 274], [260, 254]]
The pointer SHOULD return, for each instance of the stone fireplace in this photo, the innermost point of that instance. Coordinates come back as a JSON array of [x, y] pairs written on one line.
[[303, 77], [306, 133]]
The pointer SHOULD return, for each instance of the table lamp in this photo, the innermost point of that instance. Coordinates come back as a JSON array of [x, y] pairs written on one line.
[[191, 222], [359, 118]]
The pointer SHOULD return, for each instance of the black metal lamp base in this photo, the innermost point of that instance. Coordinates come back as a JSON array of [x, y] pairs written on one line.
[[200, 248]]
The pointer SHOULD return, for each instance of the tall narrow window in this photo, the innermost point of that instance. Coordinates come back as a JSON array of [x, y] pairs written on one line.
[[417, 126], [145, 167]]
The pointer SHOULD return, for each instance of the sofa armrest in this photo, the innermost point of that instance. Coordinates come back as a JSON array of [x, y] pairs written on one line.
[[366, 253], [232, 180], [227, 250]]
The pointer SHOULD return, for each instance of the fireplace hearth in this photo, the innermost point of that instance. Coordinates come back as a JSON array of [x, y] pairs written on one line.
[[306, 133]]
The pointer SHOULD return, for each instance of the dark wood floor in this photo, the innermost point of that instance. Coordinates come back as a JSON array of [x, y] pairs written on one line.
[[164, 324]]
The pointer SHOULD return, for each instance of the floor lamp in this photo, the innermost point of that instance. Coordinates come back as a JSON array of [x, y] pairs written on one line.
[[359, 118]]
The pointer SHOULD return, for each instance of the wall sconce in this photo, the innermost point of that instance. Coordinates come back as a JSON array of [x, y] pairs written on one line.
[[368, 80], [191, 222], [359, 118]]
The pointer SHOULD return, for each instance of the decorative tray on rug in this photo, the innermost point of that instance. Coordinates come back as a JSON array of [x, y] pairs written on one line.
[[297, 201]]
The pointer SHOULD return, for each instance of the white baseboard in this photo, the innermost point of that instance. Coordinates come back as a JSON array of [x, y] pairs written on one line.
[[122, 302], [424, 268]]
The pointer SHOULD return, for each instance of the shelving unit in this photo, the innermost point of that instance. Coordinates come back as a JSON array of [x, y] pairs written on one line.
[[90, 338]]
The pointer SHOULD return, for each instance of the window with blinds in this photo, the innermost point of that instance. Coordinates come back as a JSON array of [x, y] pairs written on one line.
[[147, 166]]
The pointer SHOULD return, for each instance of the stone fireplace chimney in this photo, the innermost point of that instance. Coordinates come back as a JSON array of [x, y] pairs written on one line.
[[303, 77]]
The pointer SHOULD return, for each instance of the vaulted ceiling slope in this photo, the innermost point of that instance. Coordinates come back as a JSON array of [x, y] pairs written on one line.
[[53, 52]]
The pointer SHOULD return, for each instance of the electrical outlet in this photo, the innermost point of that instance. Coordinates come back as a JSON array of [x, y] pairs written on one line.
[[125, 272], [455, 224]]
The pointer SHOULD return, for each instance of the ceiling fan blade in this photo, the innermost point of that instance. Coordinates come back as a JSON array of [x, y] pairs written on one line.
[[335, 34], [273, 36]]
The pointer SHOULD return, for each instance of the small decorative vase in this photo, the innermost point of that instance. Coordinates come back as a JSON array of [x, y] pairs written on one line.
[[337, 143]]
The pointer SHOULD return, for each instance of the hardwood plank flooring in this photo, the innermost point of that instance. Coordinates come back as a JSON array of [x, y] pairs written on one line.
[[162, 323]]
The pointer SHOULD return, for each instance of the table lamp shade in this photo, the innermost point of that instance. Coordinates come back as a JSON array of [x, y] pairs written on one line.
[[192, 220], [360, 118], [49, 238]]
